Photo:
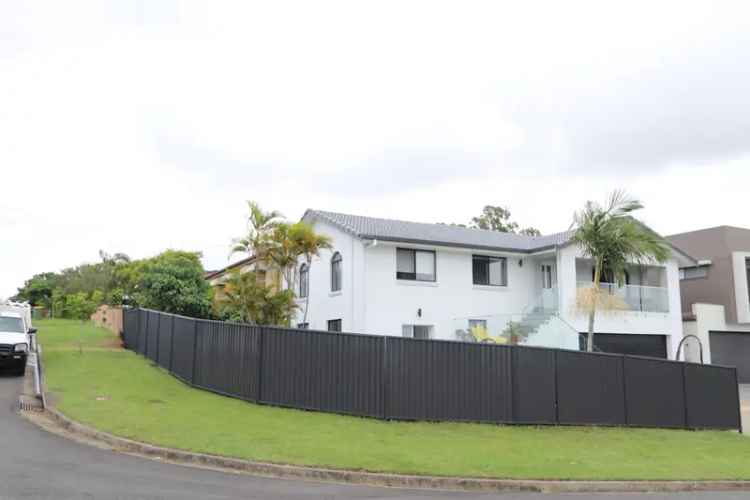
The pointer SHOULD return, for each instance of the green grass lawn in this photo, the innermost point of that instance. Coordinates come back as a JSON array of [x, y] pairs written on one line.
[[123, 393]]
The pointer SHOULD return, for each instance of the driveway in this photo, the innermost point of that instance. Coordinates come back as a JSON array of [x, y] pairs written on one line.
[[36, 464]]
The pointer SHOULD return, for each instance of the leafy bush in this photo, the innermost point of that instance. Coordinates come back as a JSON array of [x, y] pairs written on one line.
[[246, 300], [173, 282]]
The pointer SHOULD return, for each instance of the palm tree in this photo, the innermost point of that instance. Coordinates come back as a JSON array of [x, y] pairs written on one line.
[[309, 244], [613, 239], [260, 226], [288, 243], [248, 301], [281, 252]]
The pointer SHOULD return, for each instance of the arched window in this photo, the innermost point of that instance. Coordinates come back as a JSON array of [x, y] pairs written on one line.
[[336, 272], [304, 280]]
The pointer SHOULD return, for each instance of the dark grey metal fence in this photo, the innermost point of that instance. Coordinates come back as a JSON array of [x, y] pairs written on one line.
[[412, 379]]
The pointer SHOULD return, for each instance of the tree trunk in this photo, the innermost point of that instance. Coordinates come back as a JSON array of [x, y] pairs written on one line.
[[595, 299], [307, 295]]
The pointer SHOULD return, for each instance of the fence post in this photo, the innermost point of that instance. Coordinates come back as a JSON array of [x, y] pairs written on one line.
[[512, 358], [145, 336], [684, 394], [137, 330], [624, 391], [557, 401], [384, 377], [171, 344], [195, 349], [158, 337], [259, 365], [739, 409]]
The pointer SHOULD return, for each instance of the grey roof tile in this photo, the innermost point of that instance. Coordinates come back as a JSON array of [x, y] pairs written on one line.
[[417, 232]]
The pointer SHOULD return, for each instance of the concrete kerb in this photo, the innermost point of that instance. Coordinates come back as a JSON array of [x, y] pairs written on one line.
[[88, 434]]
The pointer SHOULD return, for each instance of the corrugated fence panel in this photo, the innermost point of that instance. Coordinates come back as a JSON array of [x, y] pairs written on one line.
[[590, 388], [432, 380], [334, 372], [534, 386], [182, 349], [130, 328], [226, 358], [152, 334], [142, 324], [654, 393], [164, 348], [712, 398]]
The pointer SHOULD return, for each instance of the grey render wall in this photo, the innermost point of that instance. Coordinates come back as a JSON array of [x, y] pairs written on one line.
[[715, 244], [411, 379]]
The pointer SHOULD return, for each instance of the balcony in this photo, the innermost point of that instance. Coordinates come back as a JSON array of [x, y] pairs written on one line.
[[650, 299]]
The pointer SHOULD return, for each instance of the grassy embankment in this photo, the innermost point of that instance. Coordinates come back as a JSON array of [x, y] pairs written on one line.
[[120, 392]]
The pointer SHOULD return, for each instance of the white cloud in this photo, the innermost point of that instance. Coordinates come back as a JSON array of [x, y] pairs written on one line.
[[136, 126]]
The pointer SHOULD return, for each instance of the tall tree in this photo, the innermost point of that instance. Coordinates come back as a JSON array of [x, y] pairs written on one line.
[[173, 282], [613, 239], [38, 289], [495, 218], [308, 244], [282, 253], [260, 226]]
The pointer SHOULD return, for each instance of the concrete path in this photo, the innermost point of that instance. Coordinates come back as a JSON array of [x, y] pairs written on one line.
[[35, 464], [745, 408]]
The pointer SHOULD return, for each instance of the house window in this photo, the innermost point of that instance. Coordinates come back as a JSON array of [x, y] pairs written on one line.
[[691, 273], [334, 325], [546, 276], [416, 331], [608, 276], [336, 272], [303, 326], [415, 265], [304, 280], [490, 271]]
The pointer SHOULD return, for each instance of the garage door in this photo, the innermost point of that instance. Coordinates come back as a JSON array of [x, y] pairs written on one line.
[[732, 349], [654, 346]]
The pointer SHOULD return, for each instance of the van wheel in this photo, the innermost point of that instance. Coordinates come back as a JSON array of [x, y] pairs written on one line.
[[20, 372]]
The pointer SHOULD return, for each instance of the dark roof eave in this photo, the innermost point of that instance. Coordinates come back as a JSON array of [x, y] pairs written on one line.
[[239, 263]]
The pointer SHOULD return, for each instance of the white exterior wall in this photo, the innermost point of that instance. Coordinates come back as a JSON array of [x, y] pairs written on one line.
[[391, 303], [708, 318], [740, 286], [373, 301], [346, 304], [669, 324]]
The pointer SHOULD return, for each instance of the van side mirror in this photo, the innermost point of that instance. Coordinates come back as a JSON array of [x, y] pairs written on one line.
[[32, 330]]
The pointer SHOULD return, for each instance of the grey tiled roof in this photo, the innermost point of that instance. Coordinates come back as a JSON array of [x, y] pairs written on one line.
[[417, 232]]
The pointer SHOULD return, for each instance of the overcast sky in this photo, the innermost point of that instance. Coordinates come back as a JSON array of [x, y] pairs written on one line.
[[135, 126]]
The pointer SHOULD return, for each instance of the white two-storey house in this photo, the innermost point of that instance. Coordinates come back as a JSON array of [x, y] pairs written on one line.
[[390, 277]]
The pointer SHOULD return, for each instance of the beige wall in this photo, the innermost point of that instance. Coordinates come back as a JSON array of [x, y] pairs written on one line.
[[108, 317]]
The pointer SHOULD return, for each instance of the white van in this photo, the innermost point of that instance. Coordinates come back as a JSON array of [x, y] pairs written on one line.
[[15, 331]]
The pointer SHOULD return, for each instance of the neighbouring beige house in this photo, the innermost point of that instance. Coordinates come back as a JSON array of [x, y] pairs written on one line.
[[265, 274]]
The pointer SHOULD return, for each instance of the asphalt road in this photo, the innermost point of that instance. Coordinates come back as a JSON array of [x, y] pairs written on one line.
[[36, 464]]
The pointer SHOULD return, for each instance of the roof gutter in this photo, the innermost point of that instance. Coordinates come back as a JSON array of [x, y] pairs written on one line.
[[455, 245]]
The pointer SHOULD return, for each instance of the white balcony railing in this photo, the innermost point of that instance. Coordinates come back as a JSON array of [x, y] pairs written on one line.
[[635, 297]]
